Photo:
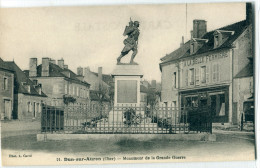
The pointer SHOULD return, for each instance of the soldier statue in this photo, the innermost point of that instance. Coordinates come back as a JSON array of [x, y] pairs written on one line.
[[131, 41]]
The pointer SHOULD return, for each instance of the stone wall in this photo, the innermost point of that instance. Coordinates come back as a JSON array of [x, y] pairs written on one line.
[[6, 94], [29, 107]]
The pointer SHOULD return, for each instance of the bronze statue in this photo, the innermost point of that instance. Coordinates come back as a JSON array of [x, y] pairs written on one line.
[[131, 41]]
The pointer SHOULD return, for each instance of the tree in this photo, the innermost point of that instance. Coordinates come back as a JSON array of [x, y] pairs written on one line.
[[68, 99], [152, 97]]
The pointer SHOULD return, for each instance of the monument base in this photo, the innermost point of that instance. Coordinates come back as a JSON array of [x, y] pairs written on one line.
[[127, 84]]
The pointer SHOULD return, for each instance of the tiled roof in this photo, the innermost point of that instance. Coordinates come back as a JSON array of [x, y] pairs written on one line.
[[20, 78], [184, 51], [56, 71]]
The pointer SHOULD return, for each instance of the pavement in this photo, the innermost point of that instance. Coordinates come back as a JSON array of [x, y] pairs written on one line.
[[20, 137], [16, 127]]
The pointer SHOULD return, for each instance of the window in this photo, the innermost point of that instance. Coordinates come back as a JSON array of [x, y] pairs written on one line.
[[77, 91], [65, 89], [192, 48], [215, 73], [191, 76], [192, 101], [5, 83], [216, 42], [28, 107], [174, 104], [203, 74], [174, 80]]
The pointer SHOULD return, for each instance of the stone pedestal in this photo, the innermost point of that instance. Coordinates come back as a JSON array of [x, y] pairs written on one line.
[[127, 84], [127, 89]]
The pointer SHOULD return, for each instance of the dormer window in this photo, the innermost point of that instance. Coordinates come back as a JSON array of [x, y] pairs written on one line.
[[29, 88], [216, 42], [220, 36], [196, 44]]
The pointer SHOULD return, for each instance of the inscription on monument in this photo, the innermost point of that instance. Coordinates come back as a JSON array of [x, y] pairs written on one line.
[[126, 91]]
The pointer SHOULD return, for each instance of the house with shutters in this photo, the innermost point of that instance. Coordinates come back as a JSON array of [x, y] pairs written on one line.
[[6, 91], [58, 82], [27, 96], [202, 70]]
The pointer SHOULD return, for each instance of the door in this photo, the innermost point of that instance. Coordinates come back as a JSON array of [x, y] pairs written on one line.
[[7, 109]]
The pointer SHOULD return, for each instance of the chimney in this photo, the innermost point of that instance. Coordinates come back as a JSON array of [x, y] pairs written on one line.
[[80, 71], [153, 84], [33, 67], [53, 61], [191, 34], [249, 13], [45, 66], [100, 75], [66, 66], [182, 41], [61, 63], [86, 71], [199, 28]]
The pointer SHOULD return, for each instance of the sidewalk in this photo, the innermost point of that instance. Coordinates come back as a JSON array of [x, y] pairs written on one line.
[[16, 127], [231, 132]]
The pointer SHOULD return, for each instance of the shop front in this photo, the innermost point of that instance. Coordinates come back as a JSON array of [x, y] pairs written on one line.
[[214, 100]]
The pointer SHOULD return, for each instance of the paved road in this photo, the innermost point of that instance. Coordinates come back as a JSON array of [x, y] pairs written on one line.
[[230, 145]]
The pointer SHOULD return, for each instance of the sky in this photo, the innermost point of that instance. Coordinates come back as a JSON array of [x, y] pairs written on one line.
[[91, 36]]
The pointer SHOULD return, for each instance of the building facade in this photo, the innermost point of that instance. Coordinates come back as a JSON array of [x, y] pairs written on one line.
[[202, 71], [6, 91], [58, 82], [28, 96]]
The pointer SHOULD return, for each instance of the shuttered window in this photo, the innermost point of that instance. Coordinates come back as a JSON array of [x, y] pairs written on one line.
[[215, 72], [186, 77], [203, 74], [191, 75], [208, 74], [197, 76]]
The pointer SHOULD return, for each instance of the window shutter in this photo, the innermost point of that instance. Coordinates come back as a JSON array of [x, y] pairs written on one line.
[[197, 73], [186, 77], [207, 74], [218, 74]]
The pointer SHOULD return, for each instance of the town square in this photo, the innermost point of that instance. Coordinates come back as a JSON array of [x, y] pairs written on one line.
[[127, 84]]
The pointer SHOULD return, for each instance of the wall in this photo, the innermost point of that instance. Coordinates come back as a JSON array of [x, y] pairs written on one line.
[[56, 87], [214, 62], [169, 92], [6, 94], [243, 50], [25, 106], [243, 90]]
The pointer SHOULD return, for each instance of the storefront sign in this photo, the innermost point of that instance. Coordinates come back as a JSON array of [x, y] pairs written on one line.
[[206, 58]]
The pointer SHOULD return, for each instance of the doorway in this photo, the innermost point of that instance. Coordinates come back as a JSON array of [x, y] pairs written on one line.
[[7, 109]]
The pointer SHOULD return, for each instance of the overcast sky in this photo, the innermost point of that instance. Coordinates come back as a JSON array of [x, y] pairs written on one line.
[[92, 36]]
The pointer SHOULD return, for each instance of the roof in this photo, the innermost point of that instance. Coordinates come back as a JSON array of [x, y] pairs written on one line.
[[106, 78], [143, 89], [56, 71], [20, 78], [247, 71], [4, 66], [184, 51]]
